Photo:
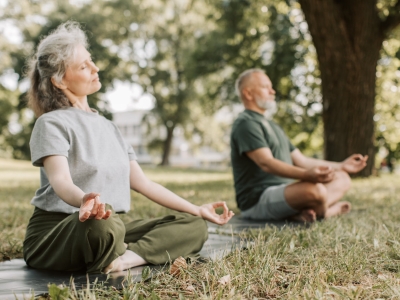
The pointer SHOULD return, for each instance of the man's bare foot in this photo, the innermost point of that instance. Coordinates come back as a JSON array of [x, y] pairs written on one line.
[[306, 215], [339, 208]]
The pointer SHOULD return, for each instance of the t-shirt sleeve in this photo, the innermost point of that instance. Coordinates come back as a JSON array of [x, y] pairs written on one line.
[[291, 147], [49, 137], [249, 136], [131, 152]]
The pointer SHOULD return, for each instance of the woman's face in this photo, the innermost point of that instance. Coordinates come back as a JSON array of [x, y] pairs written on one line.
[[81, 78]]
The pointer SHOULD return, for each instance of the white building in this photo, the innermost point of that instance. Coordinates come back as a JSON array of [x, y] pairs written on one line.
[[135, 128], [130, 123]]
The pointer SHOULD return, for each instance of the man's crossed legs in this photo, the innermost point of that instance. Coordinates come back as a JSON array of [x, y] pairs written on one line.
[[319, 199], [303, 201]]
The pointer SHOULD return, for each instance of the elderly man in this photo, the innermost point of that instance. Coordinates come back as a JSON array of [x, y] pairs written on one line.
[[273, 179]]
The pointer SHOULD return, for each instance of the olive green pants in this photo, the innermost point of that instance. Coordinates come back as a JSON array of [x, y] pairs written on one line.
[[58, 241]]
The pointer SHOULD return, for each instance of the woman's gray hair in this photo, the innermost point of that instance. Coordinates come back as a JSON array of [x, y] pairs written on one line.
[[54, 54], [242, 79]]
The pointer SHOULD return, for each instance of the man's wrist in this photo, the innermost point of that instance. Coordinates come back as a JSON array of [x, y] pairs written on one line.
[[303, 175]]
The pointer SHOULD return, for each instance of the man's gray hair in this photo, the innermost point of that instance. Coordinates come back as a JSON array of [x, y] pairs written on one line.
[[240, 82], [54, 54]]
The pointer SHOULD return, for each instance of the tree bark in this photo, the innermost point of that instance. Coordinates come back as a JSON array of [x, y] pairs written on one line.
[[167, 146], [347, 35]]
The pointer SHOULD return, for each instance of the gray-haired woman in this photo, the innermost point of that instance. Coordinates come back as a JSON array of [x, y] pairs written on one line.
[[87, 171]]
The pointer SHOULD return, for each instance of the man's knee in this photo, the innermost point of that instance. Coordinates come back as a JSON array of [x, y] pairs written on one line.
[[306, 195], [317, 193]]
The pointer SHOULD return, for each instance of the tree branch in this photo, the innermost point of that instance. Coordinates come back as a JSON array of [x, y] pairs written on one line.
[[393, 20]]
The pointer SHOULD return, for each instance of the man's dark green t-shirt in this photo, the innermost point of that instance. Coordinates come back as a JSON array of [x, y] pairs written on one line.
[[252, 131]]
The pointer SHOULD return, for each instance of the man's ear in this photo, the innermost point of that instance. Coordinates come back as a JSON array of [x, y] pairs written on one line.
[[57, 84], [246, 93]]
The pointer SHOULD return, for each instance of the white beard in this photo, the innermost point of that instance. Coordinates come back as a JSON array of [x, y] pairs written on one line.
[[269, 106]]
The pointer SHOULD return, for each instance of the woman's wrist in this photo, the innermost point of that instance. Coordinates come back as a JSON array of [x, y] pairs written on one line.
[[194, 210]]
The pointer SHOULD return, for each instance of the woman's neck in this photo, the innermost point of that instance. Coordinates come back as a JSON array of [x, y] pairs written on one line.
[[81, 103]]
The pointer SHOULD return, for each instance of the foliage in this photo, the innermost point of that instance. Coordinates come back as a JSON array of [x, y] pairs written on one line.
[[350, 257], [347, 58], [163, 46], [387, 115], [186, 55], [99, 19], [271, 35]]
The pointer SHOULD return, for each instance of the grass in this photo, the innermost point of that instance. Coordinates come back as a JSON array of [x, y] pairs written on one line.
[[356, 256]]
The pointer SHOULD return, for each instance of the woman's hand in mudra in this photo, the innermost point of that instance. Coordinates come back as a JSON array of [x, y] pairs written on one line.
[[207, 212], [92, 208]]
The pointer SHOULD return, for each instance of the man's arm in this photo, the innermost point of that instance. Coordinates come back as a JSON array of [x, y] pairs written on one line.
[[302, 161], [265, 160], [351, 165]]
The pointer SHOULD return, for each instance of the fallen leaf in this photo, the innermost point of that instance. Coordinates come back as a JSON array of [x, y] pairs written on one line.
[[225, 279], [190, 288], [382, 276], [178, 264]]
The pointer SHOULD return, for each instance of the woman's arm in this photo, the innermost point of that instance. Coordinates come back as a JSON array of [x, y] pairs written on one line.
[[159, 194], [57, 171]]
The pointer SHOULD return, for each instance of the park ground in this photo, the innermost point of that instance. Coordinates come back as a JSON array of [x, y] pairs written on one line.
[[356, 256]]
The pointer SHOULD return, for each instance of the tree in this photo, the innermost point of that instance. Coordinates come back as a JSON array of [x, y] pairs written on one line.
[[106, 24], [270, 35], [163, 44], [348, 37]]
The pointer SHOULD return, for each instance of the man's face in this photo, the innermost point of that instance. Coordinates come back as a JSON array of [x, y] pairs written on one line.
[[262, 91]]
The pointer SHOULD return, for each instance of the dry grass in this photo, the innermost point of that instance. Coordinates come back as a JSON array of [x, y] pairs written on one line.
[[356, 256]]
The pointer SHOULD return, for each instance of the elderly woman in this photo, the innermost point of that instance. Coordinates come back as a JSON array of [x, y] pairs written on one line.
[[86, 171]]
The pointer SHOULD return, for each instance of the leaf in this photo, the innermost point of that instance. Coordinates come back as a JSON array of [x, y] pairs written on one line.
[[376, 243], [225, 280], [382, 276], [190, 288], [58, 292], [145, 273], [179, 263]]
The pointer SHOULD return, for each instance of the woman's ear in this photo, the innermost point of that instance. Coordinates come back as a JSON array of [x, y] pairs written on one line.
[[57, 84]]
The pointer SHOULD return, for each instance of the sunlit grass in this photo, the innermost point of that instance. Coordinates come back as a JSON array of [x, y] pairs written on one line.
[[356, 256]]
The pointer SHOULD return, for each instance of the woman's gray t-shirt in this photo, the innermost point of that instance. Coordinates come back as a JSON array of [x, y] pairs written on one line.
[[97, 155]]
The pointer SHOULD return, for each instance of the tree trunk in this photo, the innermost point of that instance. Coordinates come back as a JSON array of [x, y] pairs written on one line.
[[167, 146], [347, 36]]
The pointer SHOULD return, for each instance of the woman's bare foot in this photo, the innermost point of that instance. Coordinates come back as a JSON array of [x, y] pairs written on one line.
[[306, 215], [113, 267], [339, 208], [126, 261]]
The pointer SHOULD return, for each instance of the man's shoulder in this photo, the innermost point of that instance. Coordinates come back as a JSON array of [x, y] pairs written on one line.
[[245, 118], [243, 125]]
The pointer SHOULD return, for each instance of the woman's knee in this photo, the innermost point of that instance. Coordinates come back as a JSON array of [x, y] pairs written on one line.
[[201, 225], [103, 229], [196, 227]]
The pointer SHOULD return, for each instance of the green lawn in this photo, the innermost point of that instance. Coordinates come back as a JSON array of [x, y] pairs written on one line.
[[356, 256]]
